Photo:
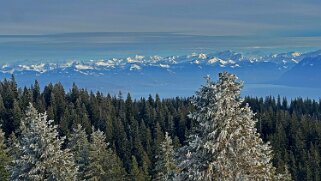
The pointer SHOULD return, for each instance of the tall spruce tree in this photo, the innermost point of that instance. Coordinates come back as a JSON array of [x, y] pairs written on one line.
[[79, 145], [4, 158], [166, 168], [137, 173], [39, 155], [225, 145], [104, 164]]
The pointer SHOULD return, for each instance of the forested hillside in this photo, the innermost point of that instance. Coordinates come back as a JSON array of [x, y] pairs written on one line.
[[135, 129]]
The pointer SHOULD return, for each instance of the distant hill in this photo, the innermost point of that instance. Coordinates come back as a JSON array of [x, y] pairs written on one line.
[[172, 75], [306, 73]]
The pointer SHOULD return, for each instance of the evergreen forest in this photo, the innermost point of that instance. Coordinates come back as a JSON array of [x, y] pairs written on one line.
[[117, 137]]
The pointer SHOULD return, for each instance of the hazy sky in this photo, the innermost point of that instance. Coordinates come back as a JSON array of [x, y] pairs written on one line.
[[204, 17]]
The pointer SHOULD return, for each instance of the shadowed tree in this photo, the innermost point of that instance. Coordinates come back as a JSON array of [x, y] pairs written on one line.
[[166, 168], [104, 164]]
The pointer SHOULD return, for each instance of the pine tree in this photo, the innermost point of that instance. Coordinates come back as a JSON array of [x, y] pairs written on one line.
[[225, 145], [286, 176], [104, 164], [79, 145], [13, 150], [4, 158], [39, 155], [136, 173], [166, 168]]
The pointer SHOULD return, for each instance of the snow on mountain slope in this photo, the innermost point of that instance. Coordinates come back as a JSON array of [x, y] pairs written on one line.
[[220, 59], [306, 73], [160, 74]]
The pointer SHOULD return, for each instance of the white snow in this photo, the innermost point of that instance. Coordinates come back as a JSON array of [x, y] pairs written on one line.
[[137, 62], [155, 58], [236, 65], [24, 67], [223, 62], [139, 57], [85, 73], [8, 71], [135, 67], [103, 63], [202, 56], [83, 67], [5, 66], [213, 60], [164, 65], [296, 54], [136, 59], [38, 67], [67, 64], [172, 59], [295, 61], [197, 62], [231, 62]]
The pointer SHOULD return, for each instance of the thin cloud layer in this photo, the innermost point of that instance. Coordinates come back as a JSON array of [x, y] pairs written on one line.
[[204, 17]]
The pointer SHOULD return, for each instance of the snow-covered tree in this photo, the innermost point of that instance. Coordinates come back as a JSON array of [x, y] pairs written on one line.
[[166, 168], [39, 155], [225, 145], [13, 150], [104, 164], [79, 145], [286, 176]]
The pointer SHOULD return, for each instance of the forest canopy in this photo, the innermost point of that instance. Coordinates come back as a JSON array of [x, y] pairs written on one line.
[[132, 130]]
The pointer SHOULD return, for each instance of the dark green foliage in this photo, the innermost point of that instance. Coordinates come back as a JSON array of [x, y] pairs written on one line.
[[103, 163], [165, 166], [135, 127], [294, 130], [79, 145], [137, 173], [4, 158]]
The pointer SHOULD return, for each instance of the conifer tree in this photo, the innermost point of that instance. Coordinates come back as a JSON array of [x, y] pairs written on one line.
[[225, 145], [79, 145], [136, 173], [39, 155], [136, 127], [104, 164], [4, 158], [12, 145], [166, 168]]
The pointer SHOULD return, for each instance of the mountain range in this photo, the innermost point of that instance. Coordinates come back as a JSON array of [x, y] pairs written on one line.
[[172, 75]]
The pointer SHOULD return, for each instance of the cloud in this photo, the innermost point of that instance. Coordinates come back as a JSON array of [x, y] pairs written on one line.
[[214, 17]]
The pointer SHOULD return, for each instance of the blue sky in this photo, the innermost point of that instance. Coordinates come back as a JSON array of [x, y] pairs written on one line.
[[200, 17]]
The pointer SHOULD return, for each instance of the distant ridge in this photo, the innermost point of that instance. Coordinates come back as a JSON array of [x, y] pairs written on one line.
[[176, 75], [306, 73]]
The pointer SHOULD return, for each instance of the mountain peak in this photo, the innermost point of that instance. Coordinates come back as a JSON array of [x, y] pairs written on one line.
[[225, 59]]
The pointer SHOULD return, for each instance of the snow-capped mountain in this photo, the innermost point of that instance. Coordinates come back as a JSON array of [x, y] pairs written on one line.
[[306, 73], [155, 73], [222, 59]]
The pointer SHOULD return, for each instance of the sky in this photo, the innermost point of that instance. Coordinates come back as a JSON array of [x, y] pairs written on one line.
[[300, 18], [62, 30]]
